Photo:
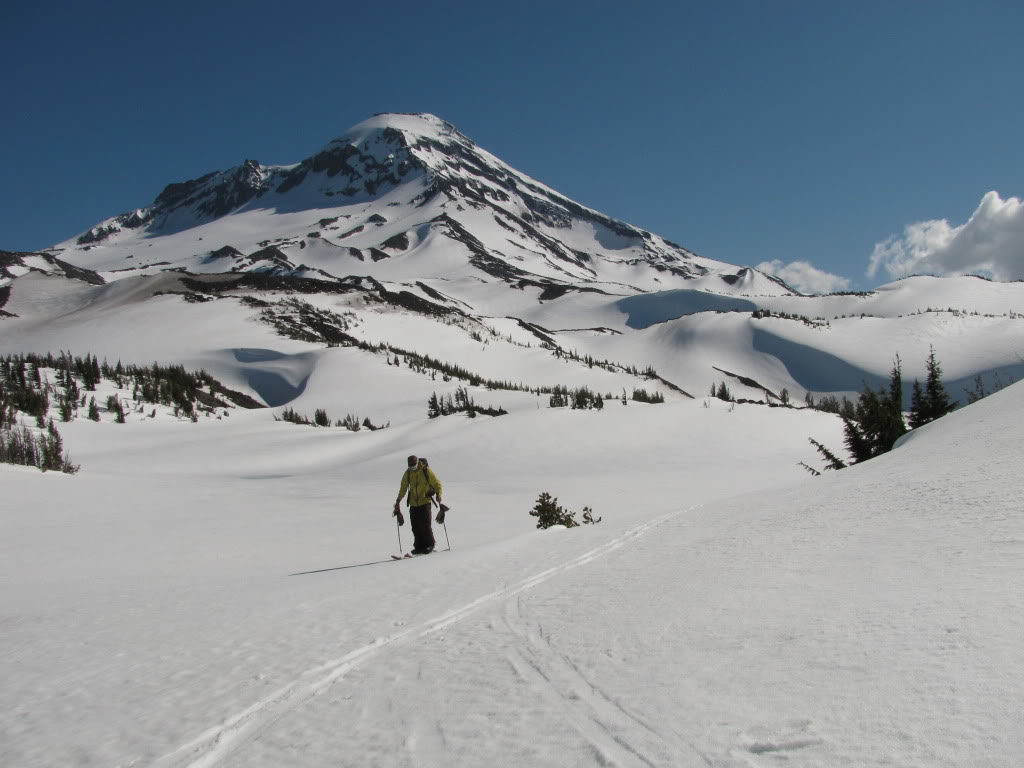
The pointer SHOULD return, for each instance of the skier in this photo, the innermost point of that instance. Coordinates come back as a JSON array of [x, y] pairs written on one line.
[[423, 486]]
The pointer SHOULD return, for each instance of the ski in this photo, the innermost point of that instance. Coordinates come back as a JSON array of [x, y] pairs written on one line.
[[411, 555]]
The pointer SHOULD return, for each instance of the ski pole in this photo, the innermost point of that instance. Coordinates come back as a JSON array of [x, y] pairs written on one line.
[[398, 528], [440, 518]]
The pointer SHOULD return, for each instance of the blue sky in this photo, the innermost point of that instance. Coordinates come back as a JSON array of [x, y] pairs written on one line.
[[751, 132]]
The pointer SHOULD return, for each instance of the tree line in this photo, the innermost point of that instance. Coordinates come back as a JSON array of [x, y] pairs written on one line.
[[43, 386]]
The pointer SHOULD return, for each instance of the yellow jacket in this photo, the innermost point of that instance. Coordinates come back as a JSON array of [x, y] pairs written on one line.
[[419, 481]]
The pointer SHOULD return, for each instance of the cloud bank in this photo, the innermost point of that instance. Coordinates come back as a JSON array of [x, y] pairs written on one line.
[[990, 243], [804, 276]]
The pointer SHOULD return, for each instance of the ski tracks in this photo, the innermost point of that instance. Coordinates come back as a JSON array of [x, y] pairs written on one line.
[[222, 740], [617, 736]]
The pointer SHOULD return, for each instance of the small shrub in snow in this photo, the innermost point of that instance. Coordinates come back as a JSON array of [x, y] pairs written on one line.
[[322, 419], [115, 405], [980, 391], [549, 513]]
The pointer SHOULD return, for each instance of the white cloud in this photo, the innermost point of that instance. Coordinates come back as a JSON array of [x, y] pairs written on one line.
[[990, 243], [805, 277]]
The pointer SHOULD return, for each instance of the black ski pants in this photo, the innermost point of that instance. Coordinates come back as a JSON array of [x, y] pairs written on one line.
[[423, 534]]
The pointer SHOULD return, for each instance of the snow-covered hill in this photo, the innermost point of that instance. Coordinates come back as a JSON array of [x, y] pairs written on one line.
[[220, 593]]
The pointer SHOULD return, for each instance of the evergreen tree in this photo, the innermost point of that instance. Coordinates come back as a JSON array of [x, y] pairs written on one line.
[[857, 444], [937, 400], [877, 419], [831, 460], [933, 401], [892, 424], [114, 404], [917, 406], [53, 448], [65, 408]]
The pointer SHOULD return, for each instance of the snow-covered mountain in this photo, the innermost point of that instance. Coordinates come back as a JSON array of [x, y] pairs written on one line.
[[213, 586], [408, 226], [408, 190]]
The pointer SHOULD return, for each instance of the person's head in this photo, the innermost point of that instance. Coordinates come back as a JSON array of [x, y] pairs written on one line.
[[413, 461]]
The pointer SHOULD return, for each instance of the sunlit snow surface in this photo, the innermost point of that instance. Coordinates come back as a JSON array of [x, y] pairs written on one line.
[[222, 593], [729, 610]]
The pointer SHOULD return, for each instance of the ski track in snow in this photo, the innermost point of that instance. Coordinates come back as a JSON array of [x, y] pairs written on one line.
[[605, 723], [220, 741]]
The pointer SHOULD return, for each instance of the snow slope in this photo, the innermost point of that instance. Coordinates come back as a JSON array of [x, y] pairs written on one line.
[[206, 613]]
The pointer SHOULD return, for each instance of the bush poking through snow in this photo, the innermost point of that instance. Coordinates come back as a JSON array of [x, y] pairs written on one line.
[[549, 513], [322, 419]]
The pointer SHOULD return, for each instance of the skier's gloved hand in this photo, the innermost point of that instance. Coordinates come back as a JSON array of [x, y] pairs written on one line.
[[398, 513], [440, 515]]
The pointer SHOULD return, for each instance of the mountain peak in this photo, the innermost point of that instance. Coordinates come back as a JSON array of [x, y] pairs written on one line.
[[400, 128], [391, 186]]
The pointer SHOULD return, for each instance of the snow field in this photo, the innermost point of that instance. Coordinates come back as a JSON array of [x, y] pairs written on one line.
[[149, 598], [866, 618]]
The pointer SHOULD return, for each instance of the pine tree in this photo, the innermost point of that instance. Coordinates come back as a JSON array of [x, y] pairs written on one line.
[[937, 400], [917, 406], [52, 448], [876, 422], [933, 401], [831, 460], [892, 424], [857, 443]]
